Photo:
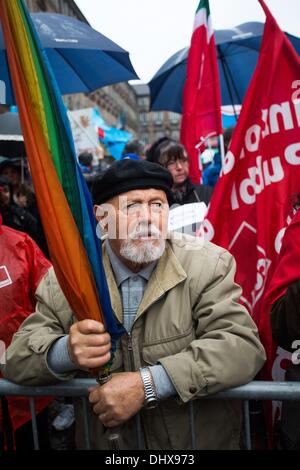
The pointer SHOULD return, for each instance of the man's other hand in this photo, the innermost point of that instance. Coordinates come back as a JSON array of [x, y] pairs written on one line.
[[119, 399], [89, 345]]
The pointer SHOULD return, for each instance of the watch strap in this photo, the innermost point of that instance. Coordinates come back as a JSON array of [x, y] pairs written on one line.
[[149, 387]]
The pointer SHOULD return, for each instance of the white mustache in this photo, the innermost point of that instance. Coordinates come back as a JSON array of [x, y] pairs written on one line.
[[144, 231]]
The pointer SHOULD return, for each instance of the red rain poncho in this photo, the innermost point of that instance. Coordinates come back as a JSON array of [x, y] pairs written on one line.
[[22, 266]]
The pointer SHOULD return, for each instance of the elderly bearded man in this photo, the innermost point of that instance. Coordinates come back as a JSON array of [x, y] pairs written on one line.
[[186, 334]]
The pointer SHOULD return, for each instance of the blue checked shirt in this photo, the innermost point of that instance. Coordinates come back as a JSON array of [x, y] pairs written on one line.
[[131, 286]]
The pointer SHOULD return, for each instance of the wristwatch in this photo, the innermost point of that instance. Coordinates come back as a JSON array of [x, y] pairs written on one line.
[[149, 388]]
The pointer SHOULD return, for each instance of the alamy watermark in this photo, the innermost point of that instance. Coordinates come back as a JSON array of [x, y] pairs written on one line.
[[296, 354]]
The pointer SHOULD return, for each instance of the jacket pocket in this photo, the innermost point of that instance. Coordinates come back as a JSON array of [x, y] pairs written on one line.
[[163, 347]]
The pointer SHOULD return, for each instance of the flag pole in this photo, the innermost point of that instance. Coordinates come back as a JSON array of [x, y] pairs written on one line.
[[222, 149]]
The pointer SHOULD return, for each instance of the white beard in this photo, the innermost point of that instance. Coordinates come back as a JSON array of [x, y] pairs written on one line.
[[143, 251]]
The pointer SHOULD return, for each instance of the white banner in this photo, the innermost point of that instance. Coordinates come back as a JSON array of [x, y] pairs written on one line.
[[84, 132]]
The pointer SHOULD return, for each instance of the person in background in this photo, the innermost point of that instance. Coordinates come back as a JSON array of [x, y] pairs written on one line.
[[22, 211], [85, 160], [12, 173], [284, 297], [14, 216], [135, 147], [24, 196], [153, 151], [22, 267], [173, 157], [211, 173]]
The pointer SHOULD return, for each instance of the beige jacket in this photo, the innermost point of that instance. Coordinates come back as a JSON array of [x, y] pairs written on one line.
[[189, 321]]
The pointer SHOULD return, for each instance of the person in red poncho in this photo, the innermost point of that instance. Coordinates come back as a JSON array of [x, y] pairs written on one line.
[[283, 299], [22, 266]]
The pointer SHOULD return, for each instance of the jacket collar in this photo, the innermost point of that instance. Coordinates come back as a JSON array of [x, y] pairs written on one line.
[[167, 274]]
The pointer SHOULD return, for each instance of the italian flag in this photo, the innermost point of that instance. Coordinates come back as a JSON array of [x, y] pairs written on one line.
[[201, 97]]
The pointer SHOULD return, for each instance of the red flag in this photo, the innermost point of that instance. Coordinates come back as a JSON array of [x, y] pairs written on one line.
[[288, 267], [201, 98], [101, 133], [251, 204]]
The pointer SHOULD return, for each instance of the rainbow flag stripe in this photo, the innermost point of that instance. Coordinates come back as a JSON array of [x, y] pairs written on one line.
[[64, 201]]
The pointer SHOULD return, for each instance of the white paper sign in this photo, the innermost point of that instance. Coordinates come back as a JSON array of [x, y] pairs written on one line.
[[84, 132], [187, 214]]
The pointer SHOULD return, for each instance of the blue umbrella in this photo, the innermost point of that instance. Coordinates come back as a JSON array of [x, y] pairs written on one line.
[[237, 51], [82, 59]]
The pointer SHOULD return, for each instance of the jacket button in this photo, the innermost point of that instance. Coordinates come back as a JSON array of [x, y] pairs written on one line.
[[193, 390]]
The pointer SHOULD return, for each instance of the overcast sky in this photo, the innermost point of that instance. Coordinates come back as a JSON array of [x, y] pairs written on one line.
[[152, 30]]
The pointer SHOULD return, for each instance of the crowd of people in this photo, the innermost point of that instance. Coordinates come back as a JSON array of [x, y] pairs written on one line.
[[185, 333]]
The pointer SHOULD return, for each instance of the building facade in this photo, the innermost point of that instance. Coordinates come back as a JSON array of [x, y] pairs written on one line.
[[155, 124]]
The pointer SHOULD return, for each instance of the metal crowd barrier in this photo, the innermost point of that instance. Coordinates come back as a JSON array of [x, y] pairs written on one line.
[[256, 390]]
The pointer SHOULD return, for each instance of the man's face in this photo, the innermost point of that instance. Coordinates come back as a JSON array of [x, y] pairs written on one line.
[[136, 223]]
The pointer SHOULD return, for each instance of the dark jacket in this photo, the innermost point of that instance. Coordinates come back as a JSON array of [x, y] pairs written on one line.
[[285, 317], [20, 219], [189, 193], [211, 173], [285, 322]]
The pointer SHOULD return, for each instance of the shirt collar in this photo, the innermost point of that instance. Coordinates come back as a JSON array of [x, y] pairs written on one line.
[[121, 272]]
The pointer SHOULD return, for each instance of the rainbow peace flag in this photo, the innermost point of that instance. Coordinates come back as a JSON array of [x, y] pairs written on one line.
[[63, 198]]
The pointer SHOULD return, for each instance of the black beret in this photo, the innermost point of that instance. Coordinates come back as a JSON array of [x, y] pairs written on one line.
[[126, 175]]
